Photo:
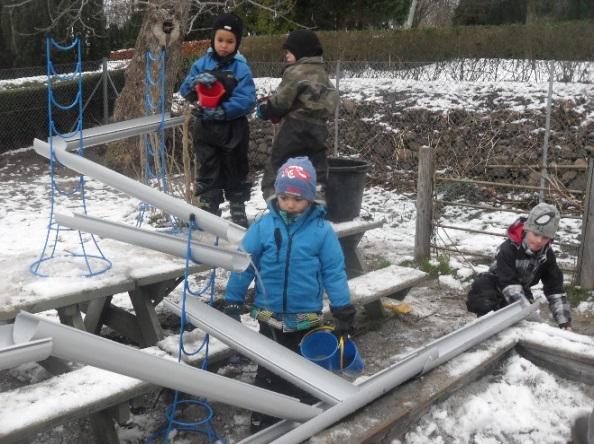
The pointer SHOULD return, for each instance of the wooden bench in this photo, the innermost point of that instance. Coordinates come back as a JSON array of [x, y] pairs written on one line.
[[101, 395], [393, 282], [350, 234], [28, 410]]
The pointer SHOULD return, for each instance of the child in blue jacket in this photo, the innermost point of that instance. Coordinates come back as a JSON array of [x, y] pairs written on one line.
[[298, 258], [221, 134]]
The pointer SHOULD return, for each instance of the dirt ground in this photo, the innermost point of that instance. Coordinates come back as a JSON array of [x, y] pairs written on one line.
[[437, 310]]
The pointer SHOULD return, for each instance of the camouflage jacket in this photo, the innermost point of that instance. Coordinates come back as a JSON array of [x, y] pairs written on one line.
[[305, 93]]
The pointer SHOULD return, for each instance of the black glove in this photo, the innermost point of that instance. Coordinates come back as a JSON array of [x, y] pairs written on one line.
[[233, 310], [197, 112], [344, 317]]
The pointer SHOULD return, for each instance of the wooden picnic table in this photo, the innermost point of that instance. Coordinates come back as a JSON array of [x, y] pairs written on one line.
[[146, 287]]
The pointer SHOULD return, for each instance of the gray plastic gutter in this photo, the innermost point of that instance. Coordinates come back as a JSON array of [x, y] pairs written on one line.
[[227, 258], [171, 205], [312, 378], [416, 363], [103, 134], [12, 354], [76, 345]]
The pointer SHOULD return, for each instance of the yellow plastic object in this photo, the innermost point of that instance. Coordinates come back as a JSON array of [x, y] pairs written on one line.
[[401, 308]]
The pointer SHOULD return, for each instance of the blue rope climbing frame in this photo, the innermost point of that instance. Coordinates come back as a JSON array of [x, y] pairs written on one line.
[[56, 243], [204, 424], [155, 160]]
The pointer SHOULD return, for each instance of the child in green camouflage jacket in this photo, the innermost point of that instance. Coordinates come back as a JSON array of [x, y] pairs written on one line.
[[304, 100]]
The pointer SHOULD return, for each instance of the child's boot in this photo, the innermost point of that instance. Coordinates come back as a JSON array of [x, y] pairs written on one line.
[[210, 201], [260, 421], [238, 213]]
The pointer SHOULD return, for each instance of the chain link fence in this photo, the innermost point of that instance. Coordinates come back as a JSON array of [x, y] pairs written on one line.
[[24, 99]]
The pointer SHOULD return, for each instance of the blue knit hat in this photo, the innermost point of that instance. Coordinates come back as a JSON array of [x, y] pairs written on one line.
[[297, 177]]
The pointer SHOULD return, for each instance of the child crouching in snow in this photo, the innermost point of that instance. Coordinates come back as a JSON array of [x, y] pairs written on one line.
[[298, 257], [524, 259]]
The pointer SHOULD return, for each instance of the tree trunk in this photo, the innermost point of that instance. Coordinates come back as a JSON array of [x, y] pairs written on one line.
[[163, 26]]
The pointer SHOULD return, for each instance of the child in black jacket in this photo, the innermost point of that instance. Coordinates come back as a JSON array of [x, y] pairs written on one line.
[[523, 260]]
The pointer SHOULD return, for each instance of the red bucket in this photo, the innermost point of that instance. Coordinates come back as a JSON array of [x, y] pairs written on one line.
[[210, 96]]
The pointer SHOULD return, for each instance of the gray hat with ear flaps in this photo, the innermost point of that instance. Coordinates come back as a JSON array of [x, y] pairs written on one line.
[[543, 219]]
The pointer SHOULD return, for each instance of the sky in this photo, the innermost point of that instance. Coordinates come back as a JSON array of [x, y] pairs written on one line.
[[523, 403]]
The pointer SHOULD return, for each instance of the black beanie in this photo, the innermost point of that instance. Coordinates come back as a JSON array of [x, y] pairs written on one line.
[[303, 43], [229, 22]]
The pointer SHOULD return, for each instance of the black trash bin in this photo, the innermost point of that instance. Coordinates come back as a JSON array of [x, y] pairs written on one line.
[[344, 190]]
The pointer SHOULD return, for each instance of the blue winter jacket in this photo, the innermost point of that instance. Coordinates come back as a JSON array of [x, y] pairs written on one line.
[[296, 262], [243, 99]]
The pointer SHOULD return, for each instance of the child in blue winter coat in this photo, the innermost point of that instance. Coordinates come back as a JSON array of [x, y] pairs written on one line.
[[221, 134], [298, 258]]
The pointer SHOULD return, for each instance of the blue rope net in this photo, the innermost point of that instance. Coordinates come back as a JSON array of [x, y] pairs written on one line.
[[154, 153], [204, 424], [57, 244]]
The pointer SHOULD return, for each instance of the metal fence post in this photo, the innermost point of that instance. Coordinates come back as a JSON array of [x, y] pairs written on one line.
[[424, 204], [586, 254], [337, 110], [105, 96], [545, 148]]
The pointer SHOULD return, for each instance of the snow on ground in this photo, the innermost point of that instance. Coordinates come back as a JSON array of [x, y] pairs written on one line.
[[488, 411], [521, 403]]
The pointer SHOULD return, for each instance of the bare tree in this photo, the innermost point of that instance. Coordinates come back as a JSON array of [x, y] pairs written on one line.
[[61, 12], [431, 13], [165, 23]]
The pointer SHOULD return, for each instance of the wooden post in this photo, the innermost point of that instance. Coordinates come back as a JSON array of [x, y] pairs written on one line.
[[545, 148], [337, 110], [104, 75], [424, 204], [586, 256]]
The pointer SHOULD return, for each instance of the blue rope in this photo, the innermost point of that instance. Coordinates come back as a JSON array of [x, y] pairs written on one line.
[[203, 425], [151, 107], [49, 247]]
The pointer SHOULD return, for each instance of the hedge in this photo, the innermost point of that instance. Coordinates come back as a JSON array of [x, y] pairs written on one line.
[[557, 41]]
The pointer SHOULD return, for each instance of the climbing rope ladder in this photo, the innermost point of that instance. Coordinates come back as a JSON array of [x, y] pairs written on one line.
[[203, 425], [57, 244], [154, 152]]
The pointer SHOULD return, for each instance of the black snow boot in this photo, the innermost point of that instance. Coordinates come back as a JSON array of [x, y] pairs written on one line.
[[210, 201], [260, 421], [238, 213]]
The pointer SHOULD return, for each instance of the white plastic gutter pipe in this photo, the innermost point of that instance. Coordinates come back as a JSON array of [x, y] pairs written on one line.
[[416, 363], [12, 355], [227, 258], [103, 134], [76, 345], [285, 363], [171, 205]]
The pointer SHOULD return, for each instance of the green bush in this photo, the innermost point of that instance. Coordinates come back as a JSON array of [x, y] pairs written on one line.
[[576, 295], [562, 41]]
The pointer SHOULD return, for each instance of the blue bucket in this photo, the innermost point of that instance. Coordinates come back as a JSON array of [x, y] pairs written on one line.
[[321, 347], [352, 362]]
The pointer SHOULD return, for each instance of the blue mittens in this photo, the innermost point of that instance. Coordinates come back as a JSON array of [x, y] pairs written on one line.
[[204, 78]]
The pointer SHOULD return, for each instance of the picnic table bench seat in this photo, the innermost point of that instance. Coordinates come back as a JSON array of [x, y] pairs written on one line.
[[101, 395], [104, 395]]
